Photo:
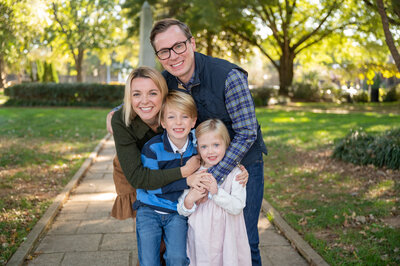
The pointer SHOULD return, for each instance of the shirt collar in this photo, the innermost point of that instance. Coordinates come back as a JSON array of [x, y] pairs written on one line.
[[188, 85], [176, 149], [170, 147], [193, 81]]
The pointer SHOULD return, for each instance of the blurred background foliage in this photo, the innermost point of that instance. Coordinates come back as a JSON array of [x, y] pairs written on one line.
[[325, 50]]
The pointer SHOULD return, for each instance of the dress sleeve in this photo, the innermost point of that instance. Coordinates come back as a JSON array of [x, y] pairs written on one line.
[[234, 202], [181, 206], [128, 152]]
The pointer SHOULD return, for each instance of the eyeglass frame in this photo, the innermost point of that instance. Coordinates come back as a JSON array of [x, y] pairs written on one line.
[[172, 48]]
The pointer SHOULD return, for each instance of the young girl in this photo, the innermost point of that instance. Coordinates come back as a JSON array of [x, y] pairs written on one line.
[[216, 232]]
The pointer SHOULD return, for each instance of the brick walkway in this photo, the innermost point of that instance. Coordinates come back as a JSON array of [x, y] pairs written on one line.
[[83, 233]]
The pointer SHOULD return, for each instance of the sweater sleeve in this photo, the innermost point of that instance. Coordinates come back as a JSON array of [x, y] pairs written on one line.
[[240, 108], [128, 152], [150, 160], [175, 186], [234, 202]]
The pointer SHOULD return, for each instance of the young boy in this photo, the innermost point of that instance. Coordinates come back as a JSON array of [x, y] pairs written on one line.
[[157, 215]]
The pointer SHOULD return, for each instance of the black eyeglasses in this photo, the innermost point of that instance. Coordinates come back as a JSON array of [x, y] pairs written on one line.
[[178, 48]]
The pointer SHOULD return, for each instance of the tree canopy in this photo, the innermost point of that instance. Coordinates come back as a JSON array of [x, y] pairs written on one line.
[[22, 23], [82, 25], [341, 34]]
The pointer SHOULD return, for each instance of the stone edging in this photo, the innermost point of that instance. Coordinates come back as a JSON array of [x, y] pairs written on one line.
[[47, 219], [310, 255]]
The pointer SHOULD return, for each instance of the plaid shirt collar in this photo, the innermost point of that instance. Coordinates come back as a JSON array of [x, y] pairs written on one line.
[[194, 81]]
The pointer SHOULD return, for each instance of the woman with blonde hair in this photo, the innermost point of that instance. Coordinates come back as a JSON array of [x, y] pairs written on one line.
[[133, 125]]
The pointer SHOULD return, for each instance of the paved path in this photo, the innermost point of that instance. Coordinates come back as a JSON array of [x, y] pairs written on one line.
[[83, 233]]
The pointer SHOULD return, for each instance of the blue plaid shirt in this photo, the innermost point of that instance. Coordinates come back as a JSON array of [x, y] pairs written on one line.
[[239, 104]]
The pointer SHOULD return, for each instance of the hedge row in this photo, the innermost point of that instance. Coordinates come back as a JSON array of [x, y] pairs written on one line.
[[361, 148], [65, 94]]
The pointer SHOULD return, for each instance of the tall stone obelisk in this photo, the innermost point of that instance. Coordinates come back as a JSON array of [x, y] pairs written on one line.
[[146, 52]]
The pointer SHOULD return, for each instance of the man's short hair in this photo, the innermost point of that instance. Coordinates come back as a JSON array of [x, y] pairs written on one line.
[[162, 25]]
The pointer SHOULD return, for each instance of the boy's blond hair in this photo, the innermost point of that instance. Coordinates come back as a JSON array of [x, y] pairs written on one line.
[[214, 125], [180, 101]]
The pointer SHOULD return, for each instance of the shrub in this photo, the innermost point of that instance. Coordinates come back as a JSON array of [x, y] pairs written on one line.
[[361, 148], [305, 91], [65, 94], [262, 95], [330, 92], [392, 95], [361, 97]]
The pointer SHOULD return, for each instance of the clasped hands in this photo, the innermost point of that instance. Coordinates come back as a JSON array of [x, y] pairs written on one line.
[[202, 183]]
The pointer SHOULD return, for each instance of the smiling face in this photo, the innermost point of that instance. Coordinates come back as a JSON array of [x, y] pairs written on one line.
[[211, 148], [146, 99], [177, 124], [179, 65]]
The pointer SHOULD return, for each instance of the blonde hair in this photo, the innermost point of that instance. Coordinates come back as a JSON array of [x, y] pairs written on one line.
[[141, 72], [181, 101], [214, 125]]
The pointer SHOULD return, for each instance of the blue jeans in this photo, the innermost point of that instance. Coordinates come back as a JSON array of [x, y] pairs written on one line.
[[255, 193], [150, 227]]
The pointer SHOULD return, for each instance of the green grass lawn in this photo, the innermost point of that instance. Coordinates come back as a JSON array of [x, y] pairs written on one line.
[[345, 212], [3, 98], [342, 210], [389, 107], [41, 149]]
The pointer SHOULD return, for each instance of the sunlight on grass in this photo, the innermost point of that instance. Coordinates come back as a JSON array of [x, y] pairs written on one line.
[[380, 128], [290, 120], [380, 189], [332, 204], [310, 130], [41, 149]]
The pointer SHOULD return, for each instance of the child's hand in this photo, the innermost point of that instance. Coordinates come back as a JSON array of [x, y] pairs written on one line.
[[202, 200], [193, 196], [213, 187]]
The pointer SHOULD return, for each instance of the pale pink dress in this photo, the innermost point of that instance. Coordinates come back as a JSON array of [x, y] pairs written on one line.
[[216, 237]]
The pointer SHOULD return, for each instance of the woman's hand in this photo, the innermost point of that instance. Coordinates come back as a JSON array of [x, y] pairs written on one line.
[[243, 177], [108, 122], [199, 180], [191, 166]]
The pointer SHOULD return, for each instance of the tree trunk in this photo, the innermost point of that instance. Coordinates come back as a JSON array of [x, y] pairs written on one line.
[[2, 73], [286, 72], [375, 88], [209, 44], [78, 65], [388, 34]]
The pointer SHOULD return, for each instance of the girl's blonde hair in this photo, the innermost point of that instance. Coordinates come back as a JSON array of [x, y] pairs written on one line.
[[214, 125], [141, 72], [181, 101]]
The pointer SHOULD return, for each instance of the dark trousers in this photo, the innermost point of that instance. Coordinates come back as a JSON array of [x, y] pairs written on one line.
[[255, 193]]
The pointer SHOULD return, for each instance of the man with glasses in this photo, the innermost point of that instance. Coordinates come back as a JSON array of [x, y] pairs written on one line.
[[220, 90]]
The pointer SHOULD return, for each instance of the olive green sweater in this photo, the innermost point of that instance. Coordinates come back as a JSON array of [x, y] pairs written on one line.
[[128, 143]]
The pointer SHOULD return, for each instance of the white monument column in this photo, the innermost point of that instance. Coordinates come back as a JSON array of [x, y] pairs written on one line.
[[146, 52]]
